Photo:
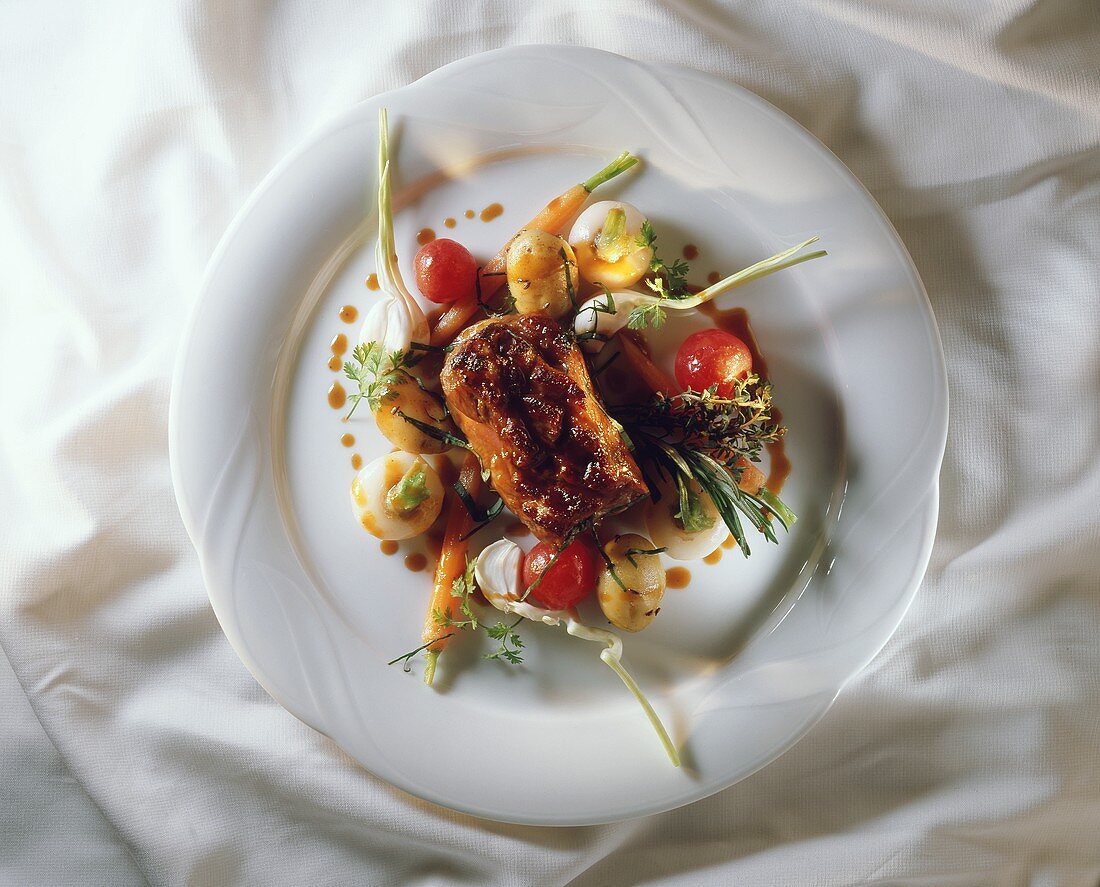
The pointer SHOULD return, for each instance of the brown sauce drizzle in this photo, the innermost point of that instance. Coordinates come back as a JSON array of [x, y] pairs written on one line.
[[691, 251], [425, 236], [736, 321], [415, 562], [348, 313], [372, 282], [517, 529], [713, 557], [348, 440], [491, 212], [713, 277], [339, 345], [356, 461], [677, 577], [337, 396], [388, 547], [449, 222], [334, 363], [730, 541], [469, 214]]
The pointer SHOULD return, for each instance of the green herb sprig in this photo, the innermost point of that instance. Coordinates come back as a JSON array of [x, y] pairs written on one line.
[[377, 373]]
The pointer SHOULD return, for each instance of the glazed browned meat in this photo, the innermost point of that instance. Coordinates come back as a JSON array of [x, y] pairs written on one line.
[[519, 390]]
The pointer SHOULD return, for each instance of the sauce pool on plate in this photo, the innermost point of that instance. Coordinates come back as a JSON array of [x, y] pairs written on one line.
[[491, 212], [372, 282], [425, 236], [348, 313], [677, 577], [337, 396]]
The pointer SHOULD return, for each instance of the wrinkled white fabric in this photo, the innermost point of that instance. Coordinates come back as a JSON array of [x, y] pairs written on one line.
[[134, 746]]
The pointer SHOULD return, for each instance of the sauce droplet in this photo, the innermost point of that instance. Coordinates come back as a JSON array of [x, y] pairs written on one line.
[[388, 547], [677, 577], [372, 282], [713, 557], [517, 529], [415, 562], [334, 363], [691, 251], [348, 440], [339, 344], [736, 321], [469, 214], [425, 235], [713, 277], [337, 396], [730, 541], [491, 212], [356, 461], [449, 222], [348, 313]]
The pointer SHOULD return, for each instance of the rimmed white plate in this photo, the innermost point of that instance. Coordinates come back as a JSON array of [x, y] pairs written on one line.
[[742, 662]]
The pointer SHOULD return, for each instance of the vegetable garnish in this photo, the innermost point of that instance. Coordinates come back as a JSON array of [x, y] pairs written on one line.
[[396, 319], [498, 577], [670, 292], [699, 438], [451, 565], [509, 641], [552, 219], [518, 395]]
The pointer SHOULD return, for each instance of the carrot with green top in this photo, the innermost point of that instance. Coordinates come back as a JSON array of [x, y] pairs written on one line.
[[552, 219], [443, 606]]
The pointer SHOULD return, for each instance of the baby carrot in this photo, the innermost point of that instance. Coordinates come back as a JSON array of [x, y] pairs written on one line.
[[452, 563], [552, 218]]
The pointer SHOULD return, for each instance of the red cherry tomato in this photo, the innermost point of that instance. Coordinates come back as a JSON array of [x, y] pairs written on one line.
[[571, 578], [445, 271], [712, 357]]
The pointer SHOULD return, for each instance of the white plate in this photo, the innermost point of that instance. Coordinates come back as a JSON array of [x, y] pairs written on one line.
[[741, 663]]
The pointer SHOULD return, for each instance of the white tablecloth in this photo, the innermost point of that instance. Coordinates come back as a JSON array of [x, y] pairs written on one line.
[[134, 746]]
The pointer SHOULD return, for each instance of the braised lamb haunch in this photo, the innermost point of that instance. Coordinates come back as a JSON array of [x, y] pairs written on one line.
[[519, 389]]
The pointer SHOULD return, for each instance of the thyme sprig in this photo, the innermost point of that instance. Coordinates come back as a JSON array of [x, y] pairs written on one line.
[[725, 427], [701, 440]]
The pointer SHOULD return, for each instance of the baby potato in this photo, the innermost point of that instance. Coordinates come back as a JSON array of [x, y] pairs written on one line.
[[396, 496], [632, 605], [537, 273], [410, 399]]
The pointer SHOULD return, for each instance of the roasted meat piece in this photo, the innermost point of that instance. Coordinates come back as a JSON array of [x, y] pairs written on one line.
[[519, 389]]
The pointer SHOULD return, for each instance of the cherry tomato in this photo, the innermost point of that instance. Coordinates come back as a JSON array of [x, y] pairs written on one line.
[[712, 357], [571, 578], [445, 271]]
